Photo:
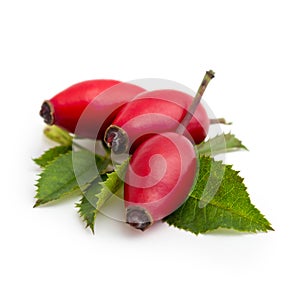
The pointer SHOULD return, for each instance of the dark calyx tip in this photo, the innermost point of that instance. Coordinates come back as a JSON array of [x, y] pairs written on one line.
[[138, 218], [46, 113], [116, 139]]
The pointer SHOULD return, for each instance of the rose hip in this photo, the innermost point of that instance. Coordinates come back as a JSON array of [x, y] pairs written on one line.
[[102, 98], [154, 112], [161, 173]]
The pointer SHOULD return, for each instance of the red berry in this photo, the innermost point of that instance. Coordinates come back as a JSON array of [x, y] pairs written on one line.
[[101, 98], [159, 178], [155, 112]]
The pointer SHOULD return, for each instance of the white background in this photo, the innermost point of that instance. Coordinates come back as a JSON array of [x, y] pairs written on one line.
[[253, 46]]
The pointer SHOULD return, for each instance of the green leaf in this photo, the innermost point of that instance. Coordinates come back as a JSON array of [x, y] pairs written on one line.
[[51, 154], [88, 203], [219, 200], [112, 184], [220, 144], [58, 135], [98, 192], [67, 173]]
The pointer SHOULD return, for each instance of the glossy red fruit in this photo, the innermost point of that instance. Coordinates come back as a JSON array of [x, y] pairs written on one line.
[[155, 112], [159, 178], [99, 100]]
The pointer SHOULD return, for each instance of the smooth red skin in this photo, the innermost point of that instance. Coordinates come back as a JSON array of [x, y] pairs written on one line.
[[160, 196], [161, 111], [101, 98]]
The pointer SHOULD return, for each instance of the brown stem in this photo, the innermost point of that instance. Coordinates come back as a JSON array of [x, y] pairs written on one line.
[[219, 121], [191, 110]]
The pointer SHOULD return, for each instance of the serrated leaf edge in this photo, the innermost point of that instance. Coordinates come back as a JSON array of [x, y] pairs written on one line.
[[91, 226], [34, 159], [37, 184], [267, 225], [231, 135]]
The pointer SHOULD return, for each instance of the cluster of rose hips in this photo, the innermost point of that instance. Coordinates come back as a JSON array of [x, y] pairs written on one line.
[[158, 128]]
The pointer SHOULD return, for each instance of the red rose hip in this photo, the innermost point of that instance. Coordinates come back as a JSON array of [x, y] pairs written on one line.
[[159, 178], [154, 112], [98, 100], [162, 171]]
